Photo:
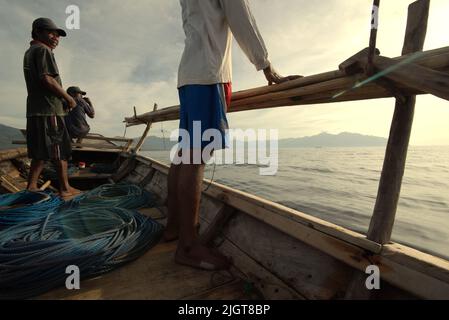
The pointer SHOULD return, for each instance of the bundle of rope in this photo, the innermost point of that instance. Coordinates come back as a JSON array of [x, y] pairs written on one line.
[[97, 232], [128, 196], [25, 206], [34, 255]]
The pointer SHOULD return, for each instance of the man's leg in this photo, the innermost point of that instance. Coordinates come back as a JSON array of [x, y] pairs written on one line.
[[35, 171], [190, 251], [65, 190], [172, 230]]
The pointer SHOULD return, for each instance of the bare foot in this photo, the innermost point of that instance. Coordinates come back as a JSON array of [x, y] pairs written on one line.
[[33, 189], [70, 193], [171, 233], [201, 257]]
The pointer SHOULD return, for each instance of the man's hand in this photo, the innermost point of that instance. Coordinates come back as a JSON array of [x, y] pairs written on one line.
[[273, 77], [70, 102], [87, 100]]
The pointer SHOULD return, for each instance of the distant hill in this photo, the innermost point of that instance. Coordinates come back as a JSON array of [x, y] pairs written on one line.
[[325, 140], [344, 139], [7, 134]]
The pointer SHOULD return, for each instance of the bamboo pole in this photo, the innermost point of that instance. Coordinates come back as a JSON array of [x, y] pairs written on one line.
[[145, 133], [294, 92]]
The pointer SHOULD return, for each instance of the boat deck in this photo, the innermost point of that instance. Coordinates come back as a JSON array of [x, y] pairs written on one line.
[[156, 276]]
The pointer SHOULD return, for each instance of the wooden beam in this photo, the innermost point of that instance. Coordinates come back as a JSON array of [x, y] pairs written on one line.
[[384, 214], [381, 225], [414, 77], [352, 65], [107, 139], [294, 92], [145, 133], [12, 154], [217, 225]]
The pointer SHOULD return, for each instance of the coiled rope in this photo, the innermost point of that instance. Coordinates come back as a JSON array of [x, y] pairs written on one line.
[[128, 196], [25, 206], [96, 236]]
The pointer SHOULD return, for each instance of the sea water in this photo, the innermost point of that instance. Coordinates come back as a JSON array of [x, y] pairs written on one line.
[[340, 185]]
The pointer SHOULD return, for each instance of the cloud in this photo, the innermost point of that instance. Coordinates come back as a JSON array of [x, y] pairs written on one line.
[[127, 55]]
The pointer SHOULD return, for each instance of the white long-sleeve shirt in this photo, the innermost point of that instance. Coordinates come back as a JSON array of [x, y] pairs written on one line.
[[209, 26]]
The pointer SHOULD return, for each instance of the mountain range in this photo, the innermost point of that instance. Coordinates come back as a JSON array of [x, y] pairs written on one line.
[[325, 140], [322, 140]]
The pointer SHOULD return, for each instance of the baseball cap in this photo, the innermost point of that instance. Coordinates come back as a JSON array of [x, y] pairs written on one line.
[[48, 24], [72, 90]]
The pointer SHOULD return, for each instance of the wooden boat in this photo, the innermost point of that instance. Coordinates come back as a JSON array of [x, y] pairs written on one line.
[[278, 252]]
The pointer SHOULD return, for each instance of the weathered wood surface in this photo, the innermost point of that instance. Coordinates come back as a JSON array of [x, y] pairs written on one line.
[[415, 77], [145, 133], [382, 222], [154, 276], [12, 154], [309, 90]]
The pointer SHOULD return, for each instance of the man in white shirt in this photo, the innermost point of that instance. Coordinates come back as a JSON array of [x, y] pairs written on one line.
[[204, 84]]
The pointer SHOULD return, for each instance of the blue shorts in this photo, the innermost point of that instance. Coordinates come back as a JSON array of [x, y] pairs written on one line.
[[203, 119]]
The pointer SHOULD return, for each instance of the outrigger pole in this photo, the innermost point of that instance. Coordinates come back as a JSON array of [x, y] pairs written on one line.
[[373, 36]]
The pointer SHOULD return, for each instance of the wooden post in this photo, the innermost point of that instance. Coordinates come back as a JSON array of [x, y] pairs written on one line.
[[382, 221], [373, 36], [145, 133]]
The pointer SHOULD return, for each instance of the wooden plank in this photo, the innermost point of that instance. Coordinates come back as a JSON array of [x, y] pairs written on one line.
[[12, 154], [230, 291], [283, 218], [89, 176], [9, 185], [125, 169], [251, 270], [99, 138], [317, 277], [153, 276], [422, 262], [218, 224]]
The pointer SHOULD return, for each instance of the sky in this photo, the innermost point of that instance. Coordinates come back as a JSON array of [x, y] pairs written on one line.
[[126, 54]]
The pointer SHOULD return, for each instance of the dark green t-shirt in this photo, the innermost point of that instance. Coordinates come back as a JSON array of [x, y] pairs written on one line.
[[38, 61]]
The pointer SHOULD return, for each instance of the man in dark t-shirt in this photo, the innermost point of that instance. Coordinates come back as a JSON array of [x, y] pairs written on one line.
[[76, 119], [47, 136]]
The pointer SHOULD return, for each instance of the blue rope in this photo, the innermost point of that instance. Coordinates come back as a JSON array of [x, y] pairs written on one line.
[[25, 206], [94, 233], [128, 196]]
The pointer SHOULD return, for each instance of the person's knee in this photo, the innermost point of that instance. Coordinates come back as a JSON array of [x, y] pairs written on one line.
[[59, 163]]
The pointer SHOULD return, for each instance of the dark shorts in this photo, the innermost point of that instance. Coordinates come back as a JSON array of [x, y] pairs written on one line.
[[204, 107], [48, 139]]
